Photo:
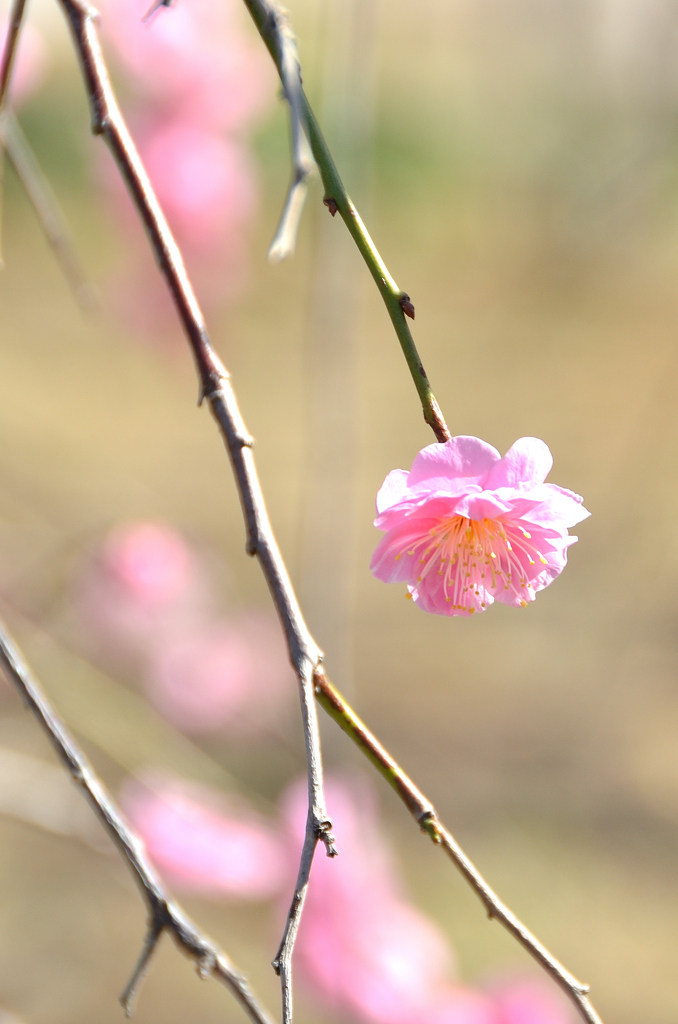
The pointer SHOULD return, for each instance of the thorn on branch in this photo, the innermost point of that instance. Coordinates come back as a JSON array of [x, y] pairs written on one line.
[[323, 833], [206, 964], [331, 204], [407, 305], [154, 8]]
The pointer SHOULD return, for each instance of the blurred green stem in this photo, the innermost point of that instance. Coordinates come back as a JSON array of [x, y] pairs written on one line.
[[271, 24]]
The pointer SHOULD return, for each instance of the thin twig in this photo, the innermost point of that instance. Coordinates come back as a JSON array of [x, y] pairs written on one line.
[[215, 387], [47, 210], [424, 813], [282, 964], [266, 15], [287, 61], [164, 915]]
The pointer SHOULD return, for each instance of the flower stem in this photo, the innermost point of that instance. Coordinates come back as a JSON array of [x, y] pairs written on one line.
[[272, 26]]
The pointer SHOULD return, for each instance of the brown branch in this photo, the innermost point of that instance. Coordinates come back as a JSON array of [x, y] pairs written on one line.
[[305, 655], [215, 387], [164, 914], [424, 813]]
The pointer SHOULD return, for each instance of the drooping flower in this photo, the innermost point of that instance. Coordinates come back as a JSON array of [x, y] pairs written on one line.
[[466, 527]]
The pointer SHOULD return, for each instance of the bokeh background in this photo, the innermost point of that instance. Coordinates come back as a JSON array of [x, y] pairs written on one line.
[[517, 163]]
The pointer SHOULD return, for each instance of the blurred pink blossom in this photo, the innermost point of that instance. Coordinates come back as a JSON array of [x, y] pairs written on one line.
[[196, 86], [193, 59], [204, 181], [365, 951], [362, 947], [234, 673], [200, 843], [144, 582], [30, 63], [151, 561], [466, 527]]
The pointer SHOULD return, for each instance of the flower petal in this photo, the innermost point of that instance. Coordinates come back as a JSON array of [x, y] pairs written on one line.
[[558, 508], [393, 489], [462, 456], [528, 461]]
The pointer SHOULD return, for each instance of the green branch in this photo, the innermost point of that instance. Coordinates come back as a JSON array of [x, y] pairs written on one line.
[[275, 32]]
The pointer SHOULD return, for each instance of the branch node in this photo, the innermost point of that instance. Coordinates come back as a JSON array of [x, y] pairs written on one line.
[[205, 964], [407, 306], [331, 204]]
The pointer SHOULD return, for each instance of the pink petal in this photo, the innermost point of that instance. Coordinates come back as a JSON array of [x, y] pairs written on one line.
[[393, 489], [462, 456], [528, 461], [558, 508]]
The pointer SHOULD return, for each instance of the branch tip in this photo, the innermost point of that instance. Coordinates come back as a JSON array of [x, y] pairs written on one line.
[[128, 997]]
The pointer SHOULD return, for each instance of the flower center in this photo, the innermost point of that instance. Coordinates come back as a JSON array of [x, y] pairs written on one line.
[[476, 557]]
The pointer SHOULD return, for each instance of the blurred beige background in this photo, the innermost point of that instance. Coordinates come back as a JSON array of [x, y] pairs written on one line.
[[520, 164]]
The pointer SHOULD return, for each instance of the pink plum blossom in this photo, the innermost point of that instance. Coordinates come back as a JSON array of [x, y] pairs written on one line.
[[466, 527], [201, 844]]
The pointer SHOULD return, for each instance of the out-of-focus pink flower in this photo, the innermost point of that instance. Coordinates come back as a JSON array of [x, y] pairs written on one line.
[[233, 674], [144, 582], [192, 59], [362, 948], [466, 527], [151, 561], [204, 181], [199, 85], [204, 846], [30, 62], [530, 1001]]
